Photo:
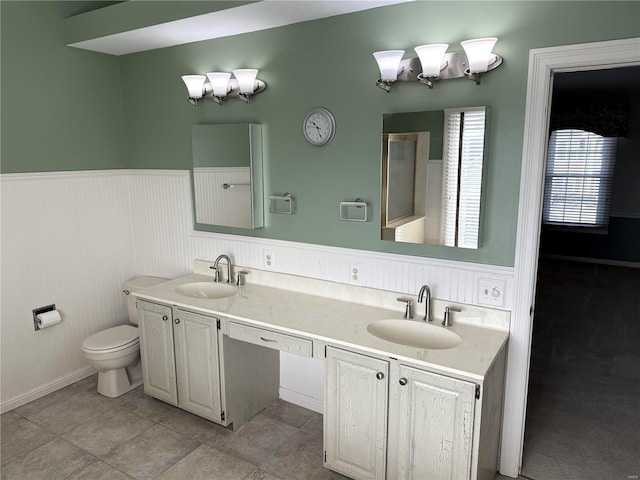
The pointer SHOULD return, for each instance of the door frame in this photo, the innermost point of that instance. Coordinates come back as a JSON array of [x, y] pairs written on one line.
[[543, 63]]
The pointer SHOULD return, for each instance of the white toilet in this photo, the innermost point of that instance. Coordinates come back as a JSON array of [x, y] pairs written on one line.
[[115, 352]]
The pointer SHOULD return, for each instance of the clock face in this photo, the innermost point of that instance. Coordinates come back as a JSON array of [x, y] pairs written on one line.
[[319, 126]]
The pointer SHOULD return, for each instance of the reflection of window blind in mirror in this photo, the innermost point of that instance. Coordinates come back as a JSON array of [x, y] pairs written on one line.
[[451, 151], [400, 179], [462, 185]]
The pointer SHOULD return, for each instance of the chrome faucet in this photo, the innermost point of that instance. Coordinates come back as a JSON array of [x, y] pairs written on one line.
[[407, 310], [216, 276], [425, 294], [447, 316]]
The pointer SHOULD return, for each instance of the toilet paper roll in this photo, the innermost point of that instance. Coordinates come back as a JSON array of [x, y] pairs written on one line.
[[48, 319]]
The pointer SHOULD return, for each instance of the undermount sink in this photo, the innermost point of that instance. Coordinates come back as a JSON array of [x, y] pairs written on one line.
[[209, 290], [414, 334]]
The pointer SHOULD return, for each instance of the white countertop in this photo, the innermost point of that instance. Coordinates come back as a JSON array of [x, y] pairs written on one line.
[[335, 322]]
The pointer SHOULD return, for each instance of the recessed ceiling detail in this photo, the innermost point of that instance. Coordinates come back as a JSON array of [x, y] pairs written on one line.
[[223, 23]]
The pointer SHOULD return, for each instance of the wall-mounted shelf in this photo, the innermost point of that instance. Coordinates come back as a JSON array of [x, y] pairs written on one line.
[[281, 204], [355, 211]]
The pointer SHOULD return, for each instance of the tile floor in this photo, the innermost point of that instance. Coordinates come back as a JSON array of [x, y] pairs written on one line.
[[76, 434]]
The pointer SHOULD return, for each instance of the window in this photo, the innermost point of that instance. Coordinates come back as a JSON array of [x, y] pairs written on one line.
[[579, 179]]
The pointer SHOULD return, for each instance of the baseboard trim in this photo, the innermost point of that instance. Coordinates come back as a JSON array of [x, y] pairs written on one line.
[[46, 389], [302, 400]]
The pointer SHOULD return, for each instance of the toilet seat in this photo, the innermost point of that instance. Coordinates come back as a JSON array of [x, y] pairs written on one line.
[[112, 339]]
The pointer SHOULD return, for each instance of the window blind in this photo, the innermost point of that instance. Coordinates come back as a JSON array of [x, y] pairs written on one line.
[[462, 186], [579, 178]]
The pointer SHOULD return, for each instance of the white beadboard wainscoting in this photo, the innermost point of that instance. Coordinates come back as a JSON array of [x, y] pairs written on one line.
[[73, 238], [66, 240]]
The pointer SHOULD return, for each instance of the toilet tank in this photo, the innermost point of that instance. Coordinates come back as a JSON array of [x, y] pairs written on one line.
[[134, 284]]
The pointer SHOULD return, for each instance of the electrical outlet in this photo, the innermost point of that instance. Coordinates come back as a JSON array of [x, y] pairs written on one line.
[[491, 292], [355, 273], [268, 259]]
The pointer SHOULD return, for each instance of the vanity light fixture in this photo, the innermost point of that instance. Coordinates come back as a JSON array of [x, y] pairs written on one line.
[[434, 63], [480, 56], [219, 82], [431, 59], [195, 85], [389, 65], [221, 85]]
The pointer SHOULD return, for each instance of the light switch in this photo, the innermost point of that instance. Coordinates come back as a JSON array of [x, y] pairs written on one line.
[[491, 292]]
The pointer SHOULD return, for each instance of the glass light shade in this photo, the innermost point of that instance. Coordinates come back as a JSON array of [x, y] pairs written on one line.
[[431, 57], [246, 79], [195, 85], [219, 83], [389, 64], [478, 53]]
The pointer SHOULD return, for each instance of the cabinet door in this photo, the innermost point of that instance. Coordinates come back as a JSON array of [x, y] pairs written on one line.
[[156, 351], [355, 421], [197, 362], [431, 426]]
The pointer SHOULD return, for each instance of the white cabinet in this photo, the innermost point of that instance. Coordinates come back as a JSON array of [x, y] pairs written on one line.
[[267, 338], [155, 326], [197, 364], [355, 420], [188, 362], [433, 421]]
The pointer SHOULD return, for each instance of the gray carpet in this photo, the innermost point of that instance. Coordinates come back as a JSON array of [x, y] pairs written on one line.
[[583, 414]]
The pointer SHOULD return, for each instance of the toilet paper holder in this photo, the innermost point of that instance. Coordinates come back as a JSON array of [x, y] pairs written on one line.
[[38, 311]]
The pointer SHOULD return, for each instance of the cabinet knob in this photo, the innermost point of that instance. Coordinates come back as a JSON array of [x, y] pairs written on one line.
[[379, 375], [176, 321], [165, 318], [403, 381]]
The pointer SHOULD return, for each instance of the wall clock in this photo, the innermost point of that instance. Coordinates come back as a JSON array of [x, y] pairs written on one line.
[[319, 127]]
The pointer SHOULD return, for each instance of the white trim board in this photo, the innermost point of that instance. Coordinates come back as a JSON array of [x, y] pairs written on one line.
[[301, 400], [46, 389], [543, 63], [90, 173]]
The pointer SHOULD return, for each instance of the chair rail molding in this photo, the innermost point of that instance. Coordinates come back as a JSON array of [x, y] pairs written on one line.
[[543, 63]]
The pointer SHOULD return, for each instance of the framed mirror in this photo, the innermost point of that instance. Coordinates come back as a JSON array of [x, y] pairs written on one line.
[[227, 175], [432, 174]]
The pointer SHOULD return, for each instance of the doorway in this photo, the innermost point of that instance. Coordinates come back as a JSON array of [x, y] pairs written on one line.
[[583, 409], [543, 63]]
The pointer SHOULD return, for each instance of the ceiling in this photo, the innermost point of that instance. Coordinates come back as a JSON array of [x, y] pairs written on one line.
[[251, 17]]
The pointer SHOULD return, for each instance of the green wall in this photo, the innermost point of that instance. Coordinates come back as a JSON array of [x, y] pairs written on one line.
[[425, 121], [324, 63], [328, 63], [61, 107]]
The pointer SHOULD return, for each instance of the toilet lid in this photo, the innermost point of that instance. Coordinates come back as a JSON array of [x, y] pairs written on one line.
[[120, 336]]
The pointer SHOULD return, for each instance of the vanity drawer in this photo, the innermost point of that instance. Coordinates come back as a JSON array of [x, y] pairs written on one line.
[[267, 338]]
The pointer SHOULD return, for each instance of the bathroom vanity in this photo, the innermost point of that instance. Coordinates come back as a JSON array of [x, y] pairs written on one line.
[[189, 363], [391, 411]]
